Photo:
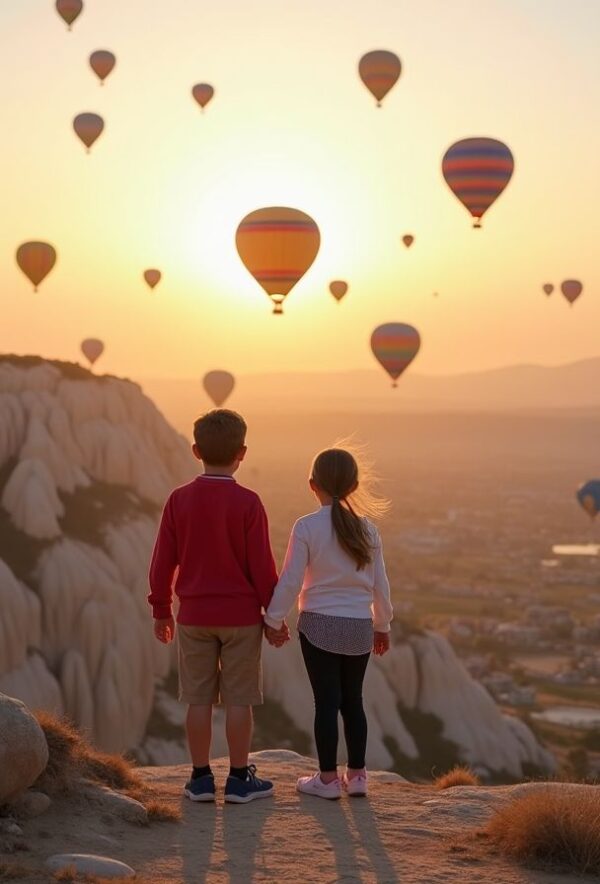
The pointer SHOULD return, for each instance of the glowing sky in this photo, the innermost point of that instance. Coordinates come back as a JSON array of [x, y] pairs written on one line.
[[291, 124]]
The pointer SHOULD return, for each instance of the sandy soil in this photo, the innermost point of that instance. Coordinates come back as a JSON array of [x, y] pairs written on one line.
[[401, 833]]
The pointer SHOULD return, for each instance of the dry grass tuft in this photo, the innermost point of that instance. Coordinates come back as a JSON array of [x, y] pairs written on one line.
[[458, 776], [552, 827], [10, 871], [161, 811], [68, 874], [72, 758]]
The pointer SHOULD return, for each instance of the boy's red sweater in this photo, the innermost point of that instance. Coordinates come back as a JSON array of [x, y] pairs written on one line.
[[214, 534]]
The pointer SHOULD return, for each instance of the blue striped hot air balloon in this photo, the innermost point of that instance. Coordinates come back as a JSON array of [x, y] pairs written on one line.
[[477, 170]]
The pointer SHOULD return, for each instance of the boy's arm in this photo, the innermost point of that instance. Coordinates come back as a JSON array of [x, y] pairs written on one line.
[[290, 580], [163, 565], [383, 612], [261, 564]]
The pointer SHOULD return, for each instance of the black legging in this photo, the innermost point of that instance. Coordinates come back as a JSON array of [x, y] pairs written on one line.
[[336, 681]]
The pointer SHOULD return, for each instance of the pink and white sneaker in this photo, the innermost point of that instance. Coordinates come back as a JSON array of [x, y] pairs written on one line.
[[315, 786], [355, 787]]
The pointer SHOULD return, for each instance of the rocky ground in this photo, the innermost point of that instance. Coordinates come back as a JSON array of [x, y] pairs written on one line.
[[402, 832]]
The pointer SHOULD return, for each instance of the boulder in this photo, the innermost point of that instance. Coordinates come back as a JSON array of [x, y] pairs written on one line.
[[89, 864], [30, 805], [23, 749]]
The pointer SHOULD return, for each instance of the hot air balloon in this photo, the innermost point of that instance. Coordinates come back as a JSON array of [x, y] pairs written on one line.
[[379, 70], [152, 277], [88, 127], [92, 349], [36, 260], [394, 346], [203, 93], [277, 245], [477, 170], [588, 496], [571, 289], [338, 289], [219, 385], [548, 288], [102, 62], [408, 239], [69, 10]]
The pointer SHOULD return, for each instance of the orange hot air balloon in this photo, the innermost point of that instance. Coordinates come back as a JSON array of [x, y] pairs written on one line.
[[338, 288], [477, 170], [36, 260], [152, 277], [394, 346], [219, 386], [102, 63], [408, 239], [69, 10], [379, 70], [92, 349], [277, 245], [571, 289], [548, 288], [88, 127], [203, 93]]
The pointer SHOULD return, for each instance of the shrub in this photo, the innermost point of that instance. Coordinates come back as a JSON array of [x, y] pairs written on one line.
[[460, 775], [554, 827]]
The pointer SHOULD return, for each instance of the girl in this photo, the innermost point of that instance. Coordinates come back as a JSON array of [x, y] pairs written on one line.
[[335, 564]]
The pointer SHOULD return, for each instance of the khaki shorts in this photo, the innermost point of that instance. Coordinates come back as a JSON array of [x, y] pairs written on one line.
[[220, 664]]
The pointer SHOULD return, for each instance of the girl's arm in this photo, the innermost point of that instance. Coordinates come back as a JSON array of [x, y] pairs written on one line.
[[383, 612], [290, 580]]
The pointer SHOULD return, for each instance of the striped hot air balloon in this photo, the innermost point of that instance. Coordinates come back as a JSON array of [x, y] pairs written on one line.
[[588, 496], [102, 63], [219, 386], [408, 239], [394, 346], [69, 10], [152, 277], [203, 93], [338, 288], [477, 170], [277, 245], [548, 288], [571, 289], [379, 70], [36, 260], [92, 349]]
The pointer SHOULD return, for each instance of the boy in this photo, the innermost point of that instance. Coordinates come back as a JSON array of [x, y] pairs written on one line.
[[215, 534]]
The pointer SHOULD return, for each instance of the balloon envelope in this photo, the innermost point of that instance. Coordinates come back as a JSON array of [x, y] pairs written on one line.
[[338, 288], [379, 70], [102, 62], [218, 385], [408, 239], [588, 496], [277, 245], [548, 288], [571, 289], [69, 10], [152, 277], [88, 127], [203, 93], [395, 345], [92, 349], [36, 260], [477, 170]]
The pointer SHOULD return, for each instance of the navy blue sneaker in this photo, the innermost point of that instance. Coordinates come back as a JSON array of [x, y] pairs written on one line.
[[200, 789], [242, 791]]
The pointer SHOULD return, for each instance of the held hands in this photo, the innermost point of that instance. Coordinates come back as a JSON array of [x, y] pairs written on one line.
[[277, 637], [164, 630], [381, 643]]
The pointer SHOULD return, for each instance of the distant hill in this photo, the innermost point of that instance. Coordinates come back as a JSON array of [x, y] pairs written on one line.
[[530, 387]]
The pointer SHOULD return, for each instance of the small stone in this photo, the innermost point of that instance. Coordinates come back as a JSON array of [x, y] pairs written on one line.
[[115, 803], [89, 864], [8, 827], [30, 805]]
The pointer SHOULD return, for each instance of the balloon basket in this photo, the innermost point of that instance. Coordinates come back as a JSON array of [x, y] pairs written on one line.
[[477, 225]]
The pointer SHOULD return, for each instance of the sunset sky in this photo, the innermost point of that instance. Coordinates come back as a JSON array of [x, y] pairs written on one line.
[[291, 124]]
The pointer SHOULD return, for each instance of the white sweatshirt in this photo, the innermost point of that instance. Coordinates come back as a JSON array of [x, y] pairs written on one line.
[[325, 578]]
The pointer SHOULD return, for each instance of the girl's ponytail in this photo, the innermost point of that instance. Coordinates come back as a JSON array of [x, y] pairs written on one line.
[[335, 471]]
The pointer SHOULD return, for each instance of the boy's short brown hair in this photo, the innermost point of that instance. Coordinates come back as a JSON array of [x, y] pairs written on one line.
[[219, 435]]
